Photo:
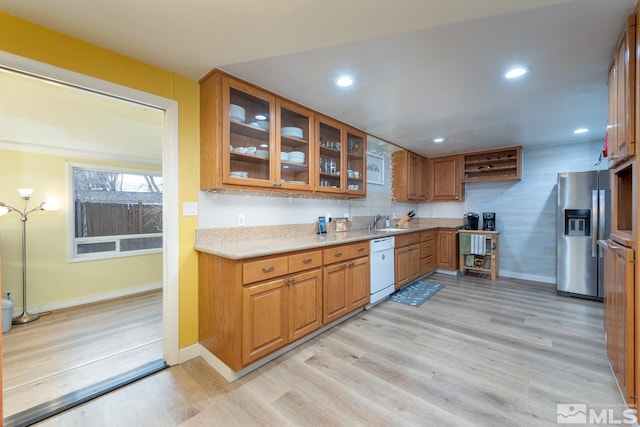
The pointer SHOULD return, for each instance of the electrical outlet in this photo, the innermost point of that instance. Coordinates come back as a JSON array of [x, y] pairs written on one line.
[[8, 295], [241, 219]]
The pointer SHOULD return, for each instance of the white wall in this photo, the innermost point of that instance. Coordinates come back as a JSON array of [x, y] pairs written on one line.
[[220, 210], [526, 210]]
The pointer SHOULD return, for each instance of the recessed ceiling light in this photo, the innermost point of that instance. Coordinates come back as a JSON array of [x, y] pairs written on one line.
[[581, 130], [438, 140], [516, 72], [344, 81]]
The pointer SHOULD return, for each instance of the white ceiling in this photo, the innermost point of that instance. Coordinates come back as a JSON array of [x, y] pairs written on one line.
[[423, 68]]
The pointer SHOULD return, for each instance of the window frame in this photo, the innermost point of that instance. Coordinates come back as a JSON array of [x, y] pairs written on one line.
[[73, 241]]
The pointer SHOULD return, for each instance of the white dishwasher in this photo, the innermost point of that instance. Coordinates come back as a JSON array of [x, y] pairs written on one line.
[[382, 269]]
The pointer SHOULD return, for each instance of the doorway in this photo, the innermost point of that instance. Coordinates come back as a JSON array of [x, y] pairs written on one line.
[[168, 281]]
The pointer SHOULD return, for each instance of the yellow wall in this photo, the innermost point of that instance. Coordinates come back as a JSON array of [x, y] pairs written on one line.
[[51, 279], [31, 41]]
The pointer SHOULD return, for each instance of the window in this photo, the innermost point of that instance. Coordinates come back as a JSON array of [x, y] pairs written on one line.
[[115, 212]]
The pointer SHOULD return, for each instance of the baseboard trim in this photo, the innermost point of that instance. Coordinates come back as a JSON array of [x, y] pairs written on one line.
[[527, 276], [91, 298]]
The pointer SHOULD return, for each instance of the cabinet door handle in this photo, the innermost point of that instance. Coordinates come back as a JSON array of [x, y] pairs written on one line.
[[338, 254], [268, 269], [351, 264], [361, 249], [428, 245], [291, 281], [307, 260]]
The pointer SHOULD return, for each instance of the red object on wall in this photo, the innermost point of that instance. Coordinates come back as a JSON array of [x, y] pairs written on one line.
[[605, 150]]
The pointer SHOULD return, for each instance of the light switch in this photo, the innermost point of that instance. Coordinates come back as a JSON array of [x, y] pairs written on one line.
[[190, 208]]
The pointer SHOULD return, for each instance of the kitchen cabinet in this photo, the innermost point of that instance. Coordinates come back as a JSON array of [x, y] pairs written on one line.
[[342, 163], [250, 308], [619, 316], [409, 176], [295, 144], [252, 139], [447, 249], [493, 165], [345, 280], [445, 178], [623, 113], [427, 252], [407, 259]]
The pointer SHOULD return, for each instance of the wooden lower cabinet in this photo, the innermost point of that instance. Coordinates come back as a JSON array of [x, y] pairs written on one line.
[[407, 259], [427, 252], [447, 249], [619, 317], [345, 287], [278, 312]]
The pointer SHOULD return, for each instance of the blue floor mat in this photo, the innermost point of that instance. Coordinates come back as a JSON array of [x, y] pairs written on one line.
[[416, 293]]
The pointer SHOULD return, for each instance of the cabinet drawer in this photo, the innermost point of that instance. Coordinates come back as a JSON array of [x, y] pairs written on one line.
[[427, 248], [407, 239], [335, 254], [305, 261], [426, 265], [427, 235], [359, 249], [264, 269]]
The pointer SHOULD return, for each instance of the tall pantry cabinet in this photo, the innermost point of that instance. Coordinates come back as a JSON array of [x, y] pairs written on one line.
[[622, 311]]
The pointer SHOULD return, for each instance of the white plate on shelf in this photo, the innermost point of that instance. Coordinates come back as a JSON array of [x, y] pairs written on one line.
[[291, 131], [237, 113], [262, 153], [260, 125], [297, 182], [295, 160], [239, 174]]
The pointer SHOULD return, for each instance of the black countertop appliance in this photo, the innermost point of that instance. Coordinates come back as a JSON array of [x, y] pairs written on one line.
[[471, 220], [489, 221]]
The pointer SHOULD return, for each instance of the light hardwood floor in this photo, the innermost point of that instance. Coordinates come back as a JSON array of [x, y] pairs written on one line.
[[76, 347], [477, 353]]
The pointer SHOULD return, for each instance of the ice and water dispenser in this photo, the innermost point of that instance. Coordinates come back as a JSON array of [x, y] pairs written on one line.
[[577, 222]]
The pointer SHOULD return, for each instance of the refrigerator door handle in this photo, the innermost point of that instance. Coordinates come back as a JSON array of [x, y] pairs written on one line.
[[602, 209], [594, 223]]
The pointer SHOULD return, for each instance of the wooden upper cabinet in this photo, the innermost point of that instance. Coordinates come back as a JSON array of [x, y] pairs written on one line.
[[251, 138], [622, 96], [445, 178], [409, 177], [341, 158], [295, 143], [493, 165]]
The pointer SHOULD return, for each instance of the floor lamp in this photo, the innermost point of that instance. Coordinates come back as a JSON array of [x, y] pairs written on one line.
[[49, 205]]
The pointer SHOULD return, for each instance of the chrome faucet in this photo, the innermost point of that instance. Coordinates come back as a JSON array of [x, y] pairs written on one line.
[[375, 221]]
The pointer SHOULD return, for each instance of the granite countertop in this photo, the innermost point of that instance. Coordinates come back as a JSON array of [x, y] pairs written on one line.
[[250, 242]]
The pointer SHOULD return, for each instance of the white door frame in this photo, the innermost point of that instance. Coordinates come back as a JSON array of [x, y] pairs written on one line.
[[170, 313]]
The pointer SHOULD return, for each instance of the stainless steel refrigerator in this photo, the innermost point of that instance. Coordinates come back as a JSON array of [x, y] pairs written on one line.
[[584, 215]]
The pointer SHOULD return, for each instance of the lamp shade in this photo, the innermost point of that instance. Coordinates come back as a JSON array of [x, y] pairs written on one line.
[[25, 193], [51, 204]]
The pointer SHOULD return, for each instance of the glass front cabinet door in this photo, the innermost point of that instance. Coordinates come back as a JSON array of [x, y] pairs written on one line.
[[356, 163], [331, 178], [247, 129], [294, 145]]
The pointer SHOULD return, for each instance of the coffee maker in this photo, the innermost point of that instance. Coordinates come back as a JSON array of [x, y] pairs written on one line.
[[489, 221], [471, 221]]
